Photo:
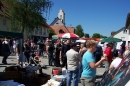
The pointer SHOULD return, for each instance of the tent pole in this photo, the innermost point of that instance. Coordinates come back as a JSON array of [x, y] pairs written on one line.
[[21, 52]]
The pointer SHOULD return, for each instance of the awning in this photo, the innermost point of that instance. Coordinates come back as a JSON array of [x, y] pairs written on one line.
[[11, 34]]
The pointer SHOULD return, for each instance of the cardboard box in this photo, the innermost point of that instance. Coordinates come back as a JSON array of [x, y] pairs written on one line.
[[57, 68]]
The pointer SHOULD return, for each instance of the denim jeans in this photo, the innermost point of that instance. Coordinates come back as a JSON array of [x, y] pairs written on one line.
[[50, 59], [80, 70], [72, 75], [41, 52]]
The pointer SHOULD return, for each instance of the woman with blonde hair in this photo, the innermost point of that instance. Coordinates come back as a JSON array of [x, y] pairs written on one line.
[[89, 65]]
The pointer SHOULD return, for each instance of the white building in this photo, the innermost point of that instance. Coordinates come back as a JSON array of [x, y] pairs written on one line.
[[123, 34]]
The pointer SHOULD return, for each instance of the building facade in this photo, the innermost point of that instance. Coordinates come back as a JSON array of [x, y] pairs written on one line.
[[123, 34], [41, 32]]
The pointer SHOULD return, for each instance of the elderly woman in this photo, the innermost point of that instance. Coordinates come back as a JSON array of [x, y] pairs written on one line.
[[118, 60]]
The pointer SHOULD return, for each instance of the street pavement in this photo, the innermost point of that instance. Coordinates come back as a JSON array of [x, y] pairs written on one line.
[[12, 60]]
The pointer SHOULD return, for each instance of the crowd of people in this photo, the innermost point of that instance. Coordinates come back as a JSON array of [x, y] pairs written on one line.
[[80, 59]]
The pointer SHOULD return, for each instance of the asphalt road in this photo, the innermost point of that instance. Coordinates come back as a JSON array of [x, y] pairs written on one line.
[[12, 61]]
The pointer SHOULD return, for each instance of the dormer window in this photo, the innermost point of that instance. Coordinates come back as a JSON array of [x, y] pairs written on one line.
[[125, 31]]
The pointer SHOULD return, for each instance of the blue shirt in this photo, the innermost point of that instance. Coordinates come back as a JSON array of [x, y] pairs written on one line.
[[88, 72]]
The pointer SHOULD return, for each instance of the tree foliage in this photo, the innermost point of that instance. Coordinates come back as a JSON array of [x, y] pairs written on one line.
[[79, 31], [86, 35], [51, 33], [96, 35], [27, 14], [101, 36]]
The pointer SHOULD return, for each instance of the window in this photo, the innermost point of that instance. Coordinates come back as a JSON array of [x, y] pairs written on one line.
[[123, 38], [125, 31], [44, 32], [128, 43], [40, 31], [60, 16], [57, 23], [4, 22], [36, 31]]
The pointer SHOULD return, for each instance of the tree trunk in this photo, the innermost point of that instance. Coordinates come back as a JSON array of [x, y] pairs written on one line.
[[22, 29]]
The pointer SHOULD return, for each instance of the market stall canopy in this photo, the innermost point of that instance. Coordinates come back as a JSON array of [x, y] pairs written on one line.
[[110, 39], [81, 41], [68, 35], [11, 34], [55, 37]]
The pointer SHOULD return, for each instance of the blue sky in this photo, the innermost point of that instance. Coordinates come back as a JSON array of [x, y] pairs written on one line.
[[95, 16]]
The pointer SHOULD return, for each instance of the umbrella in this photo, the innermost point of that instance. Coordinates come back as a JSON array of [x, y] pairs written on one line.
[[68, 35], [110, 39], [81, 41], [55, 37]]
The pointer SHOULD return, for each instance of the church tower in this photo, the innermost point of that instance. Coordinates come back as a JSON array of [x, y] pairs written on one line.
[[61, 16]]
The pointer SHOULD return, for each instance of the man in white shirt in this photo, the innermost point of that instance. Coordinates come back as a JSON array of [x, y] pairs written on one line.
[[73, 59]]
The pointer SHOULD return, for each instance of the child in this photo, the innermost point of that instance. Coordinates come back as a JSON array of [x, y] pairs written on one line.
[[38, 61]]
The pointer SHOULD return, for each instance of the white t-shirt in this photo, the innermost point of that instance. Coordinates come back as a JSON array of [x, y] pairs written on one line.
[[116, 62], [5, 42], [14, 44]]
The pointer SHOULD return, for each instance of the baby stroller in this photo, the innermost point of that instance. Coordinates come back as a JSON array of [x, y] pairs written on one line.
[[35, 62]]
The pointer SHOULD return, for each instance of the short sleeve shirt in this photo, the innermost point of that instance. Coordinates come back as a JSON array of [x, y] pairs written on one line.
[[88, 72], [116, 62]]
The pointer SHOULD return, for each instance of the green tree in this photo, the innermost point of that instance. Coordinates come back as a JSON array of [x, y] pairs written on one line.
[[51, 33], [79, 31], [86, 35], [101, 36], [96, 35], [27, 14]]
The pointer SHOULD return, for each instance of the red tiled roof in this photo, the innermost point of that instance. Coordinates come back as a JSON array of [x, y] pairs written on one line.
[[3, 7], [113, 32], [64, 28], [96, 39], [71, 29], [47, 25]]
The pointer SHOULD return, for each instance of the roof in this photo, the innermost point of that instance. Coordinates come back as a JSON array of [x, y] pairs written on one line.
[[96, 39], [3, 7], [64, 28], [113, 32], [47, 25], [118, 31], [127, 26], [56, 19], [71, 29]]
